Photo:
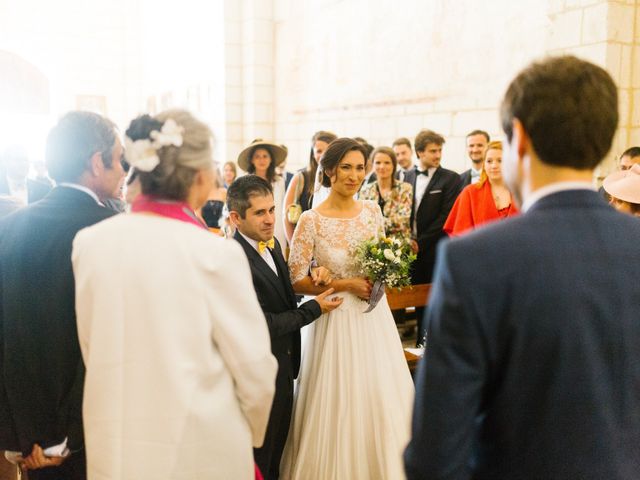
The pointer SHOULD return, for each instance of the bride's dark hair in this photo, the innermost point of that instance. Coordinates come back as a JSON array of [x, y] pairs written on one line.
[[336, 152]]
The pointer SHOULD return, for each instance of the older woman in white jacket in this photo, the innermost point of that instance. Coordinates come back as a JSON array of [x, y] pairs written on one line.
[[179, 371]]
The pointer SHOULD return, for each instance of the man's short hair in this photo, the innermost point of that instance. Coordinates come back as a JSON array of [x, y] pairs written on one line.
[[401, 141], [74, 140], [479, 132], [569, 109], [425, 137], [242, 189], [631, 152]]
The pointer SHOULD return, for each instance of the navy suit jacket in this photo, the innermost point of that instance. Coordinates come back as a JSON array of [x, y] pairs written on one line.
[[532, 367], [41, 369]]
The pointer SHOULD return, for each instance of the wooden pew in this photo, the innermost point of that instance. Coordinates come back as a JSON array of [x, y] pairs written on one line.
[[409, 297]]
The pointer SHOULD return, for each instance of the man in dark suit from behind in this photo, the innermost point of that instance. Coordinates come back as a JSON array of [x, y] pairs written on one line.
[[532, 367], [252, 211], [41, 369], [434, 192], [477, 142], [14, 180]]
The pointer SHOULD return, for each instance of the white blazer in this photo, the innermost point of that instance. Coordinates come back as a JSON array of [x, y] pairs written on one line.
[[179, 371]]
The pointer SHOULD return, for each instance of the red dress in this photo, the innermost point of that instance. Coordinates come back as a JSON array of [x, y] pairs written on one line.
[[475, 206]]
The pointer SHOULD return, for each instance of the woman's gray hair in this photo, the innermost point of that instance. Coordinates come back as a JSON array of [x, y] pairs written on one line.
[[174, 175]]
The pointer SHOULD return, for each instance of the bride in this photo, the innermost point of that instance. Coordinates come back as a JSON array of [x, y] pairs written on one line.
[[354, 397]]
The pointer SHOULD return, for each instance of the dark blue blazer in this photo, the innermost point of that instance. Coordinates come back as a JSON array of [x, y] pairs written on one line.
[[532, 369], [41, 369]]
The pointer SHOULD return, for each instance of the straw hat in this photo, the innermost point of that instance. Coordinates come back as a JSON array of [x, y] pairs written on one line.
[[278, 154], [624, 185]]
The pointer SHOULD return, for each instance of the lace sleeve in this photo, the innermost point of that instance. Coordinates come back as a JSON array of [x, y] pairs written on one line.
[[302, 245]]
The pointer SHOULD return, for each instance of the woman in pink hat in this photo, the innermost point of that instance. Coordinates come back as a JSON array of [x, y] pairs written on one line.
[[624, 188]]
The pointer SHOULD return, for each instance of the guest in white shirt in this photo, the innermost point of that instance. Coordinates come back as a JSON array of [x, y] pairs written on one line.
[[477, 142]]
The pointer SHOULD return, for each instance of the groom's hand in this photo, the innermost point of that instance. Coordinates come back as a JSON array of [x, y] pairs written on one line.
[[320, 276], [328, 304]]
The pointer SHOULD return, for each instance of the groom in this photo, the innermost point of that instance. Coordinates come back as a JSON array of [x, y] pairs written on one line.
[[252, 211]]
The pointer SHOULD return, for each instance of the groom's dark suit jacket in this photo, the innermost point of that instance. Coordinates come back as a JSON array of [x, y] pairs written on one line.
[[41, 370], [532, 366], [284, 319]]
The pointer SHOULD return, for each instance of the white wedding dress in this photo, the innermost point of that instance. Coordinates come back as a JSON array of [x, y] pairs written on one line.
[[354, 395]]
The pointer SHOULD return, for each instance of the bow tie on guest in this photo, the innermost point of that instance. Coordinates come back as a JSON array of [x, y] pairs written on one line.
[[475, 173], [423, 172], [264, 245]]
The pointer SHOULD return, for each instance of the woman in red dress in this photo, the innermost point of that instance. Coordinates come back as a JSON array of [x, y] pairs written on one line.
[[485, 201]]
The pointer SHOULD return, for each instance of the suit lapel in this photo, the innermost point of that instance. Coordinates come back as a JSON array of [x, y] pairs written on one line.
[[433, 183], [259, 266]]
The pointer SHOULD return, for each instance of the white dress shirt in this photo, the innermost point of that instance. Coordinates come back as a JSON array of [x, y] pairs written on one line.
[[422, 182], [266, 255]]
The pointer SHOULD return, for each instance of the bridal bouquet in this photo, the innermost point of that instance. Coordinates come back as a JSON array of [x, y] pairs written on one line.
[[385, 262]]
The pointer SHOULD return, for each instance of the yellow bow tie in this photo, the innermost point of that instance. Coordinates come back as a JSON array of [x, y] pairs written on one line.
[[268, 244]]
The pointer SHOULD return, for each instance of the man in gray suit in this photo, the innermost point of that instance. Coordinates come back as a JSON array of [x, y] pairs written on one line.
[[532, 367]]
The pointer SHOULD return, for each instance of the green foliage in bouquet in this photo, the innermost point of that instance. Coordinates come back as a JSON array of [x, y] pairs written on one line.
[[386, 260]]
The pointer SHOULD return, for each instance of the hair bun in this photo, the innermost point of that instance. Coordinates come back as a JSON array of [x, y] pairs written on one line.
[[141, 127]]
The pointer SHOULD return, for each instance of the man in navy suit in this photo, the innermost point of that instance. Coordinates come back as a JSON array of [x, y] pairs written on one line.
[[252, 211], [434, 192], [532, 367], [41, 369]]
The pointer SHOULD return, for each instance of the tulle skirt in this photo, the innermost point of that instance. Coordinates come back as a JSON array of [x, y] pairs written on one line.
[[354, 398]]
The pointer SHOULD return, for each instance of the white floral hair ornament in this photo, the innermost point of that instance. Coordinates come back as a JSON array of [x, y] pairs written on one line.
[[143, 153]]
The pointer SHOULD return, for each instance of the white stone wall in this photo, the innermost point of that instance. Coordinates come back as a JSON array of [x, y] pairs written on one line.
[[382, 69], [79, 45]]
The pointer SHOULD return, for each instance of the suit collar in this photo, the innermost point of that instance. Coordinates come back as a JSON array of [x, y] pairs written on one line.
[[569, 198], [261, 267], [554, 188]]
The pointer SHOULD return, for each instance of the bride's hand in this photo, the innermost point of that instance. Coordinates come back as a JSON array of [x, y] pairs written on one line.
[[361, 287]]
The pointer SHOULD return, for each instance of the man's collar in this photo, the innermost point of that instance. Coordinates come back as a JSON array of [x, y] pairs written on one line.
[[82, 188], [250, 241], [554, 188]]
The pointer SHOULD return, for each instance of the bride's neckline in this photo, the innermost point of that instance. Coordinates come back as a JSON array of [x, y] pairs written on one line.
[[342, 218]]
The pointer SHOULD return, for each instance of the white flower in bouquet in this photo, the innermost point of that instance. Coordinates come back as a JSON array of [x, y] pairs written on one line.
[[388, 254]]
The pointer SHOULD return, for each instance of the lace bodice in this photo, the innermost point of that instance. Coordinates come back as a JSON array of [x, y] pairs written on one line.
[[332, 241]]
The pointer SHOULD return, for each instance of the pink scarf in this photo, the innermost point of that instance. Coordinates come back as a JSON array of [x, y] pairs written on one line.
[[166, 208]]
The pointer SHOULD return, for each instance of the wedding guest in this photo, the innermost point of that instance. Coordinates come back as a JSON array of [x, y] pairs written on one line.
[[531, 369], [477, 142], [261, 158], [179, 376], [252, 211], [212, 211], [624, 189], [393, 196], [435, 190], [229, 173], [404, 153], [282, 169], [301, 188], [41, 369], [14, 180], [629, 157], [485, 201]]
